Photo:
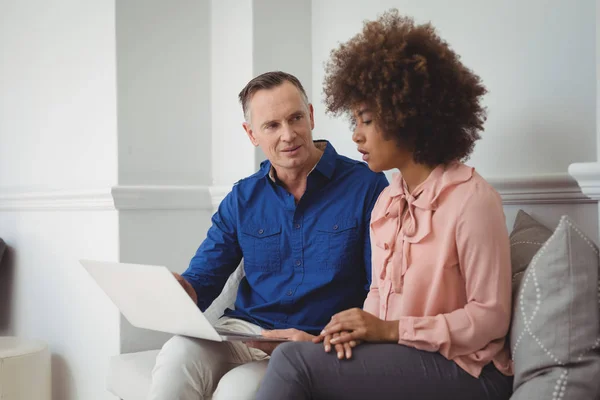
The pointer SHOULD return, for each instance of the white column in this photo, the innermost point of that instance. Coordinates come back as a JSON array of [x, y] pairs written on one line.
[[231, 68]]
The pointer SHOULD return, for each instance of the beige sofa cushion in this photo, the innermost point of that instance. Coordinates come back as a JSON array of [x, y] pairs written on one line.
[[130, 375]]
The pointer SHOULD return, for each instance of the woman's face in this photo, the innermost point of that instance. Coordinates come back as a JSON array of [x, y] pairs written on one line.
[[381, 154]]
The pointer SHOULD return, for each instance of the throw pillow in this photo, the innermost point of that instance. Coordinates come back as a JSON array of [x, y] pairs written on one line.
[[555, 336]]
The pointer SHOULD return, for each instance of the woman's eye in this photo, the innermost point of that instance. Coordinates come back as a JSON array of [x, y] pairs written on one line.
[[367, 122]]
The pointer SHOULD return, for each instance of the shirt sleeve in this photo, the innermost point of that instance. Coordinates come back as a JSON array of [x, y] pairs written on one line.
[[371, 304], [372, 301], [484, 259], [217, 257]]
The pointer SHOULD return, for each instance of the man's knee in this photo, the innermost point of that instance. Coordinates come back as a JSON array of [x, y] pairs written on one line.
[[242, 382], [190, 366]]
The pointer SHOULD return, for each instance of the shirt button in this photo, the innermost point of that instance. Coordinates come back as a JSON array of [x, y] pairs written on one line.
[[289, 293], [298, 263], [260, 231], [335, 227], [297, 226]]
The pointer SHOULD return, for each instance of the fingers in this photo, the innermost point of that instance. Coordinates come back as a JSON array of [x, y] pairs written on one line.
[[348, 350], [332, 328], [327, 343], [347, 337], [339, 348], [346, 322]]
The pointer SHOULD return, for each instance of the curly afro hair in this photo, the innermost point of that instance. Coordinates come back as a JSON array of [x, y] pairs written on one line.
[[422, 96]]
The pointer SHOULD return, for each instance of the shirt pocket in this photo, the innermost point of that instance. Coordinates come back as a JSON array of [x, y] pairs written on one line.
[[338, 244], [261, 246]]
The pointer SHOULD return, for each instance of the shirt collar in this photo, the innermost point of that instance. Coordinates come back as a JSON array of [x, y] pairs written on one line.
[[325, 165], [440, 179]]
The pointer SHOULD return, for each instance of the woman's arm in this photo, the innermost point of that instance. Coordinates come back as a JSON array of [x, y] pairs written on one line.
[[484, 259]]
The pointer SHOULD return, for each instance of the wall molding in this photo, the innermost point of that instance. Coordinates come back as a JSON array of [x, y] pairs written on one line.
[[162, 197], [217, 194], [588, 178], [142, 197], [57, 200], [539, 189], [582, 187]]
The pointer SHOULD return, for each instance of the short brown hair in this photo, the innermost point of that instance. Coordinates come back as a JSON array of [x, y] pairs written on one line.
[[422, 96], [268, 80]]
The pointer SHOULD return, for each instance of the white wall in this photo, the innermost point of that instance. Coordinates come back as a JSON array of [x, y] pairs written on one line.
[[231, 69], [165, 123], [164, 92], [536, 57], [282, 41], [55, 300], [58, 133], [57, 102]]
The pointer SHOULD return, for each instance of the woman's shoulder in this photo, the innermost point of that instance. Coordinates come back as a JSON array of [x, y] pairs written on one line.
[[473, 191]]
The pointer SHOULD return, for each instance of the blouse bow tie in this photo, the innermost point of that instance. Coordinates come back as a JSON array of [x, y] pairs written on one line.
[[408, 217]]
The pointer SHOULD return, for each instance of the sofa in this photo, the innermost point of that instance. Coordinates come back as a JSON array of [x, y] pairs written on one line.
[[555, 329]]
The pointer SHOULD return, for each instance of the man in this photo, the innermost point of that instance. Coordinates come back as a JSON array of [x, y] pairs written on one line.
[[301, 225]]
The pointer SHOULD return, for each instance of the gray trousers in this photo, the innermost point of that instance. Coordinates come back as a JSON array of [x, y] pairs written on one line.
[[302, 370]]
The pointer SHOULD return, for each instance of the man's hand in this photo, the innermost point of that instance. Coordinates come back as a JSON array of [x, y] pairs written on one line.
[[356, 324], [294, 335], [189, 289]]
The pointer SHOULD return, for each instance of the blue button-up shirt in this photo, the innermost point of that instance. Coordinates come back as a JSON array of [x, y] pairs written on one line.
[[304, 262]]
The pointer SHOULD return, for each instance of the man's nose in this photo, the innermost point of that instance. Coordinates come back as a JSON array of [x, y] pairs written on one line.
[[288, 134]]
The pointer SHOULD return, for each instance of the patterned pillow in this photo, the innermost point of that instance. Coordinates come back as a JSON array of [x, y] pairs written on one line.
[[555, 336], [526, 238]]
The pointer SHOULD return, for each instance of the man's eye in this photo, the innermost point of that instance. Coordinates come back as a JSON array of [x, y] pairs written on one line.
[[297, 118]]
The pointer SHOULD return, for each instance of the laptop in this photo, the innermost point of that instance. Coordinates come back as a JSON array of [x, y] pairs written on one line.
[[150, 297]]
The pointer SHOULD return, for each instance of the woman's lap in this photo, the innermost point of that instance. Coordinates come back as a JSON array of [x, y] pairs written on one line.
[[388, 370]]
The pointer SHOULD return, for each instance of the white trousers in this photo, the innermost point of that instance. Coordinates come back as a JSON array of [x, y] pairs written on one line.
[[196, 369]]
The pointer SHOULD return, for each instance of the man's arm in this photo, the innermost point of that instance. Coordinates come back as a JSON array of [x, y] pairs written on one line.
[[217, 257]]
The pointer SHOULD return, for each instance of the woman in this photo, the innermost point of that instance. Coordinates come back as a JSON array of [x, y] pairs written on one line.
[[435, 319]]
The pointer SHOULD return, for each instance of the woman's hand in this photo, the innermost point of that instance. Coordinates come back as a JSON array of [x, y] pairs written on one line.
[[356, 324], [343, 350]]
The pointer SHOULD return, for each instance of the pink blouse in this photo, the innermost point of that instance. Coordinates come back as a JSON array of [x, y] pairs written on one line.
[[441, 267]]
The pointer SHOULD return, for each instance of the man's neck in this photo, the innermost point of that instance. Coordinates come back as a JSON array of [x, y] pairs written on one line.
[[294, 180]]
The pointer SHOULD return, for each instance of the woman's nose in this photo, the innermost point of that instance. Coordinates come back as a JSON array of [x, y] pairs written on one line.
[[356, 136]]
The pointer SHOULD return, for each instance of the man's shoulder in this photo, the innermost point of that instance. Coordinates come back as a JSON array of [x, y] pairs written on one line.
[[249, 182], [347, 167]]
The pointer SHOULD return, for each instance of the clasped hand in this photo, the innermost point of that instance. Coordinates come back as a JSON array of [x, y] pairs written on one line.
[[349, 328]]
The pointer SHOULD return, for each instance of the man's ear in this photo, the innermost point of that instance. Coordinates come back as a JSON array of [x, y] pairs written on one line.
[[250, 133], [311, 111]]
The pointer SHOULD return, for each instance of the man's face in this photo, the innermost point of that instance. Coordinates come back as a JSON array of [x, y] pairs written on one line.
[[281, 123]]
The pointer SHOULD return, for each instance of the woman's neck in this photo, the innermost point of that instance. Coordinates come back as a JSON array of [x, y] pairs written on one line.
[[414, 174]]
